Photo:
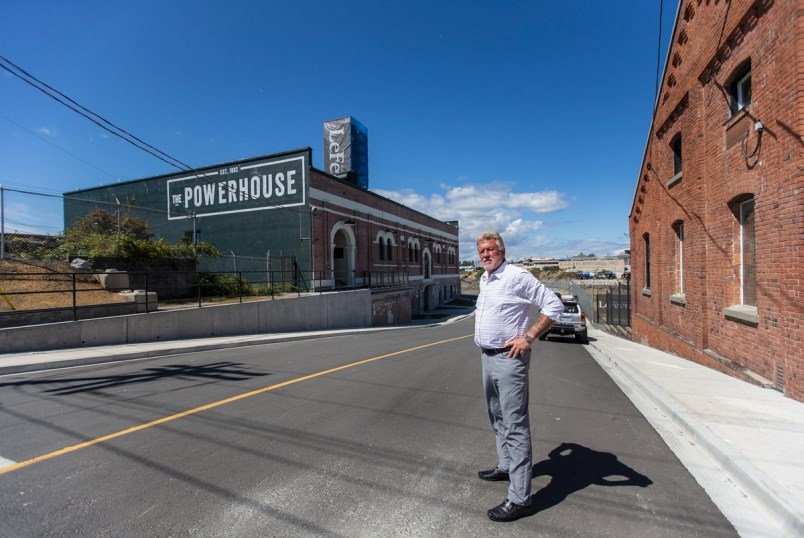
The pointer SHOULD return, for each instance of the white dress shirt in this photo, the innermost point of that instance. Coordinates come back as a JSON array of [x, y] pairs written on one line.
[[508, 304]]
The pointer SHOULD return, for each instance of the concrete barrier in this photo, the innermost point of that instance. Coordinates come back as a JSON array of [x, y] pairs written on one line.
[[346, 309], [139, 298], [112, 279]]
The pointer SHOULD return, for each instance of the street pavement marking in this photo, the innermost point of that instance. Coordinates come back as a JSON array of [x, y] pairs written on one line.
[[5, 462], [66, 450]]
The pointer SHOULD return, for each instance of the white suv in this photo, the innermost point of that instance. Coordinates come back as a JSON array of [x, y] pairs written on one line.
[[571, 322]]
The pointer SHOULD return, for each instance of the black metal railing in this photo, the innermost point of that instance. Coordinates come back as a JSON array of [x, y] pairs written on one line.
[[32, 298], [607, 305], [613, 305]]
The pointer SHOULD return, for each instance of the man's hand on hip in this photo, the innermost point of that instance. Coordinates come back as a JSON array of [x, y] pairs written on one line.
[[518, 347]]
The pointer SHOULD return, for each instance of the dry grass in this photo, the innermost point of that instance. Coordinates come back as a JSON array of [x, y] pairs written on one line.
[[35, 285]]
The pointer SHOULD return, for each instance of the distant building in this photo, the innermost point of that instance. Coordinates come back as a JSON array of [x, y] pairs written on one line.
[[539, 263], [717, 218], [610, 264]]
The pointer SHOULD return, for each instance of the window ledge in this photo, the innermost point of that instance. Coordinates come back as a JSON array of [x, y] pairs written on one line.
[[678, 298], [742, 312], [736, 117], [673, 180], [646, 292]]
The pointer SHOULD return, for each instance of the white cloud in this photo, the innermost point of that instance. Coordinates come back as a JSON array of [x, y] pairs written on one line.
[[47, 131], [494, 206], [482, 207]]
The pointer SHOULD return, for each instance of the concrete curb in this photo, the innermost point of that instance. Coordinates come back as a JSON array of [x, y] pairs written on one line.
[[755, 483]]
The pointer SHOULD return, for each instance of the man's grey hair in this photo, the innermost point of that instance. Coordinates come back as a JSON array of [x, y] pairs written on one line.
[[492, 236]]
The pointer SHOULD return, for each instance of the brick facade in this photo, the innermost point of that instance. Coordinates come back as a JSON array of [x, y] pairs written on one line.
[[422, 248], [699, 302]]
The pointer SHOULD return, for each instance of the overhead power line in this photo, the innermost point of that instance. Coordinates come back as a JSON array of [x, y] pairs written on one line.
[[43, 139], [103, 123], [92, 116], [659, 50]]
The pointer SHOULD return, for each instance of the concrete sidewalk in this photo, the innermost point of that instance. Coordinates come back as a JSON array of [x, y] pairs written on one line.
[[744, 444]]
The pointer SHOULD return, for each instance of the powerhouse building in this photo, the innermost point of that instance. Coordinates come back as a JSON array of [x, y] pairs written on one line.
[[717, 219], [277, 210]]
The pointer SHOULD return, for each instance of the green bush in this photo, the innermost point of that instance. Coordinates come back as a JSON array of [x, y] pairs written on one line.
[[98, 234], [223, 285]]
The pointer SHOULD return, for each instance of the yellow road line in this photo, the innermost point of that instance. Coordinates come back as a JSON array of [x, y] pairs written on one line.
[[85, 444]]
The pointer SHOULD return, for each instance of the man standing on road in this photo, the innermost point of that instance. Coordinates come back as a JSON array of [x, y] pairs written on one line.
[[508, 295]]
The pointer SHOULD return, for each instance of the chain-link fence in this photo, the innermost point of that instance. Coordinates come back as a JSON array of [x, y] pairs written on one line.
[[43, 235], [32, 227], [31, 224], [42, 228]]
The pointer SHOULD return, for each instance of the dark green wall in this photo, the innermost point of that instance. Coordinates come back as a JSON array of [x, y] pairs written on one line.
[[246, 226]]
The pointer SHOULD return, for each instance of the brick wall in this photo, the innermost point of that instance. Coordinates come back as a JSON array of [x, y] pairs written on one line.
[[724, 157], [374, 216]]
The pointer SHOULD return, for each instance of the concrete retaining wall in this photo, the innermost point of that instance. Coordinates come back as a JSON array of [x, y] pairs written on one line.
[[308, 313]]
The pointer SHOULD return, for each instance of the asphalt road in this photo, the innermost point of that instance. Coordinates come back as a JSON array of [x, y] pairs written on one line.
[[377, 434]]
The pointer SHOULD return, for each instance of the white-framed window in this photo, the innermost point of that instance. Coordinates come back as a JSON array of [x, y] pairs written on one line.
[[678, 228], [748, 279], [740, 88]]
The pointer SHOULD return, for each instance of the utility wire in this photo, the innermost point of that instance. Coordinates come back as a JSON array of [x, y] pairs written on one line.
[[88, 114], [658, 51], [103, 123], [43, 139]]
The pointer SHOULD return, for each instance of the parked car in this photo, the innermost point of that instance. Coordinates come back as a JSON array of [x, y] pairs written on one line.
[[571, 323]]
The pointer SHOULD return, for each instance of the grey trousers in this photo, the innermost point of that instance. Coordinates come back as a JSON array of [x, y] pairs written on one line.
[[505, 383]]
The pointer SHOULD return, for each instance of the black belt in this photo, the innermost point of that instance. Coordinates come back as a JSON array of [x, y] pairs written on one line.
[[496, 351]]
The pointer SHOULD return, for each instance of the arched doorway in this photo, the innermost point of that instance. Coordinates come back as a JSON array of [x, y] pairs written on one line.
[[343, 255]]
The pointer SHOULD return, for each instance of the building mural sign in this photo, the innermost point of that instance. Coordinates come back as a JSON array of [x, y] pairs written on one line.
[[338, 146], [239, 187]]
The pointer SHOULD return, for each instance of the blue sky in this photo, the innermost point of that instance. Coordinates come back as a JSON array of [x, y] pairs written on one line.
[[525, 117]]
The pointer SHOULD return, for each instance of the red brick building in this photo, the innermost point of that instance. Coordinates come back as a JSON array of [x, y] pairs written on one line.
[[362, 239], [717, 221]]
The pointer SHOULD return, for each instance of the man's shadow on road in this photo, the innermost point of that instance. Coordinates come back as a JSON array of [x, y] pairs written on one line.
[[574, 467]]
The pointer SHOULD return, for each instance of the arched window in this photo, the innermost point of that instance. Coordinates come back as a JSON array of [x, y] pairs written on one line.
[[389, 251], [381, 243]]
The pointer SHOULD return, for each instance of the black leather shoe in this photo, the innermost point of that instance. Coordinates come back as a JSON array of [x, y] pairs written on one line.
[[508, 511], [493, 475]]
